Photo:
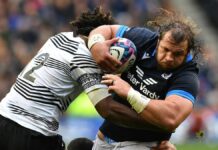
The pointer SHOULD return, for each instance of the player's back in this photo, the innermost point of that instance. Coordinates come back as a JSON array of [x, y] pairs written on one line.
[[48, 84]]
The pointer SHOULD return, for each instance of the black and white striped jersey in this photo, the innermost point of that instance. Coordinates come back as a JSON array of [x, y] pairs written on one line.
[[60, 71]]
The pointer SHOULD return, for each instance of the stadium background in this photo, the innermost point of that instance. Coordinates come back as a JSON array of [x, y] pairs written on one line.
[[26, 24]]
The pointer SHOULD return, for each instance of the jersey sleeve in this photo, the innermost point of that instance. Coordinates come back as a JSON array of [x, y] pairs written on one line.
[[185, 85], [143, 38], [84, 70], [91, 83], [88, 76]]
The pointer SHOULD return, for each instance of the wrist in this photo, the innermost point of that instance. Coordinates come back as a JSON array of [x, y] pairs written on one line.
[[95, 39], [137, 101]]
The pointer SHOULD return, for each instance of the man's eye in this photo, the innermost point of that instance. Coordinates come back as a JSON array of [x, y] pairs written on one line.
[[178, 54], [166, 50]]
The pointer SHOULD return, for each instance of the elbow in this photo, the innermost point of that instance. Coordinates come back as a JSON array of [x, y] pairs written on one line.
[[171, 126]]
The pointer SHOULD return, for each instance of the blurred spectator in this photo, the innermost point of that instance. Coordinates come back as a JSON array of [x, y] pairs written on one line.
[[7, 73]]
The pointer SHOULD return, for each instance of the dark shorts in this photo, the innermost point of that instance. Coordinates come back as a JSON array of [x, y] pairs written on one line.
[[15, 137]]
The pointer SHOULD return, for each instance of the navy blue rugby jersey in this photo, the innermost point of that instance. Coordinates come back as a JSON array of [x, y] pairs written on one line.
[[155, 84]]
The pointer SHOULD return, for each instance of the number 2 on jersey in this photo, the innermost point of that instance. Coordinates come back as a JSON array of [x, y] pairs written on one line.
[[41, 59]]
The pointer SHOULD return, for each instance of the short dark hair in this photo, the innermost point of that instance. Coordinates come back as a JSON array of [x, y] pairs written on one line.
[[80, 144], [89, 20], [183, 28]]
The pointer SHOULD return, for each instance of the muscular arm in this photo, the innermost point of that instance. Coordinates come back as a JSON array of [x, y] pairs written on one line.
[[169, 113], [122, 115], [108, 31], [166, 114], [116, 112]]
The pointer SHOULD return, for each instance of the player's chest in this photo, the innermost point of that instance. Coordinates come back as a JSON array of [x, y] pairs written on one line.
[[149, 82]]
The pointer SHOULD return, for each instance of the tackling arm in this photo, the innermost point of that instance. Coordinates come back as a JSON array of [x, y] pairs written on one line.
[[166, 114], [118, 113]]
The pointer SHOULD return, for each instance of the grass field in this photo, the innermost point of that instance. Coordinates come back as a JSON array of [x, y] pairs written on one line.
[[197, 146]]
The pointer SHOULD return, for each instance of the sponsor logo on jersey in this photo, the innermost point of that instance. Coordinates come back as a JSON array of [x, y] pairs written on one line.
[[139, 72], [149, 81], [143, 85]]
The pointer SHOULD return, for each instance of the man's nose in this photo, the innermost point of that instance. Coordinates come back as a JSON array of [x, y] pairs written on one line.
[[169, 57]]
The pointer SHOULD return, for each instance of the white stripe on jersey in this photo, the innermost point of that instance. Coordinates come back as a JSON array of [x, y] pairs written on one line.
[[60, 71]]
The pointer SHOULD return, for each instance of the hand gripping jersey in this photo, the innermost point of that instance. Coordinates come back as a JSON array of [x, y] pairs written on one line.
[[60, 71], [155, 84]]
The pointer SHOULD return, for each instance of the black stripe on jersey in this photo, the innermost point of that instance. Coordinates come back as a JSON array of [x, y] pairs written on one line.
[[83, 61], [51, 125], [34, 95], [67, 40], [63, 43], [30, 93], [68, 44], [53, 63], [43, 90], [29, 98], [66, 102]]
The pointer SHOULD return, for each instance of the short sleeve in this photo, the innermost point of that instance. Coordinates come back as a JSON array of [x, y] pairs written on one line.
[[185, 85], [143, 38]]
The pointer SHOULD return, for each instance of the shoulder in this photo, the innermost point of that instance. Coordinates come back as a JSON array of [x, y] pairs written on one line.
[[143, 38], [136, 33], [67, 37], [185, 81]]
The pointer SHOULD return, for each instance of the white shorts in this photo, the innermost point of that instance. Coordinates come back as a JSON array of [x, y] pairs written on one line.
[[127, 145]]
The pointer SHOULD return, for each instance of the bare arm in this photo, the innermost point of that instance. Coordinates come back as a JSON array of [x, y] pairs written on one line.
[[122, 115], [116, 112], [167, 114], [108, 31]]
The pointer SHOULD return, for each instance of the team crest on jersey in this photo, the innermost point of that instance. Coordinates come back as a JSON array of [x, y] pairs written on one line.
[[146, 56], [166, 76]]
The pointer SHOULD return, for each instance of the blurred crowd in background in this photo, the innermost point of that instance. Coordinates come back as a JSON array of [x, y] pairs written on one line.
[[26, 24]]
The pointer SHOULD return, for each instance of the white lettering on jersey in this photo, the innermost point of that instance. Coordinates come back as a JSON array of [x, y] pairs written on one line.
[[143, 85]]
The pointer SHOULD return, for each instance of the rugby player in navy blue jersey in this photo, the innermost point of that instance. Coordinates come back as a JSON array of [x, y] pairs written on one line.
[[161, 86]]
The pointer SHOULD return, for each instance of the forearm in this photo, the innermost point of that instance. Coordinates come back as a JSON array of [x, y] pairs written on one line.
[[123, 116]]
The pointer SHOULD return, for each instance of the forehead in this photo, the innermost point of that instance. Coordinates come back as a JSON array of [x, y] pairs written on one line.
[[168, 42]]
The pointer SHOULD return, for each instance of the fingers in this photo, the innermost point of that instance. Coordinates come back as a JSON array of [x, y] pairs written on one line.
[[109, 79], [112, 41], [104, 59], [112, 63], [164, 145], [110, 76], [108, 82]]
